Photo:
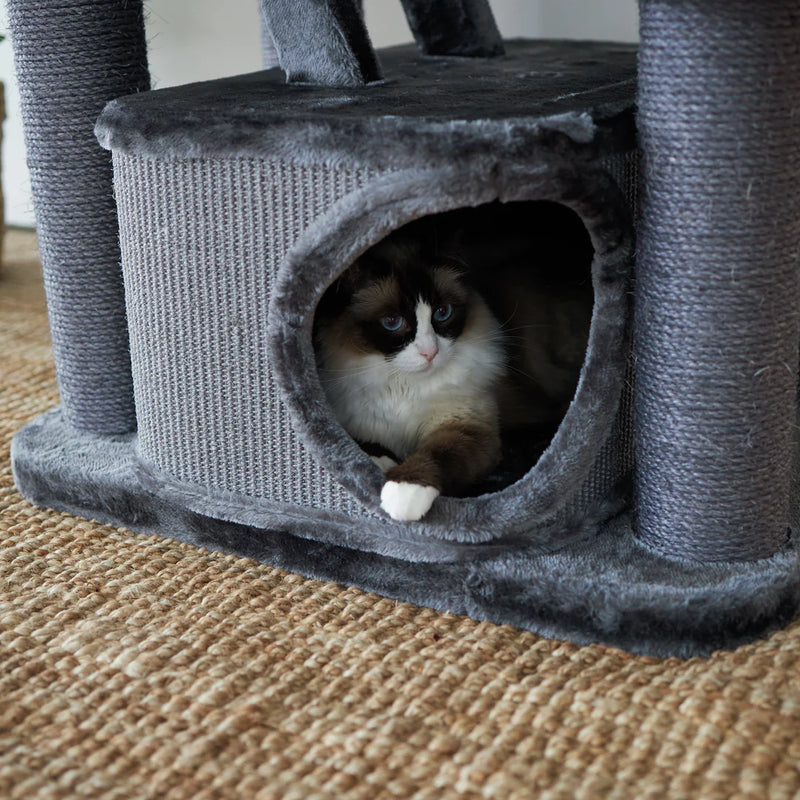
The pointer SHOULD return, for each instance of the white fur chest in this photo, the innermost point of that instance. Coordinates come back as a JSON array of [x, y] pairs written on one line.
[[376, 402], [391, 414]]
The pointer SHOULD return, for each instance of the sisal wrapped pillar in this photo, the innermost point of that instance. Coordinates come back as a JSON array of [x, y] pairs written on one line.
[[717, 295], [72, 58]]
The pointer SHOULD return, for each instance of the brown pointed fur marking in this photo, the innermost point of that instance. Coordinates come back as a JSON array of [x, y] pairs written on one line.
[[452, 457]]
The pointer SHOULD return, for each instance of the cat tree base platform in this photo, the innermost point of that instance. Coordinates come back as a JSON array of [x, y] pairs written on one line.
[[595, 584]]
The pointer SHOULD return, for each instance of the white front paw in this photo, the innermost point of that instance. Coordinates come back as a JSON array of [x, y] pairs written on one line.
[[384, 463], [407, 501]]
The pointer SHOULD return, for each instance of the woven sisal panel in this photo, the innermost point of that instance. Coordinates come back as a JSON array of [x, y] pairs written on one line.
[[136, 667], [201, 243]]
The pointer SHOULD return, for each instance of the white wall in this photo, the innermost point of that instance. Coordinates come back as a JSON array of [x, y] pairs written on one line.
[[192, 40], [612, 20], [16, 185]]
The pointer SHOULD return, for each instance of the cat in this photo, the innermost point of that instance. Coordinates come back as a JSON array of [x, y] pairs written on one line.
[[408, 356], [426, 361]]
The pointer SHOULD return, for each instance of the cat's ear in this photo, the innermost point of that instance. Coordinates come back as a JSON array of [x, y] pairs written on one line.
[[392, 254], [340, 293], [449, 243], [363, 271], [366, 270], [455, 239], [346, 285]]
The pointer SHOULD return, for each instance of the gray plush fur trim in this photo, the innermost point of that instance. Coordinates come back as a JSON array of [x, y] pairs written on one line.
[[574, 99], [321, 43], [530, 509], [605, 588], [413, 544], [454, 27]]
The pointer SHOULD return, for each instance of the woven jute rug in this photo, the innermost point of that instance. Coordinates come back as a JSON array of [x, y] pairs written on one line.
[[137, 667]]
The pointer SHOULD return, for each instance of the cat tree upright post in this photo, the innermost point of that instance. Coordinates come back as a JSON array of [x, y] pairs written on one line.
[[239, 201], [717, 276], [72, 58]]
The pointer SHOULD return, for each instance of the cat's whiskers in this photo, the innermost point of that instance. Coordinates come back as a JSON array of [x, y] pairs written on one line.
[[532, 378], [511, 316], [341, 373], [347, 370], [540, 326], [345, 375]]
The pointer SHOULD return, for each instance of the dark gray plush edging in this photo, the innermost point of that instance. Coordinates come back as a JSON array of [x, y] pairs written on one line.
[[604, 588], [321, 43], [568, 98], [529, 510]]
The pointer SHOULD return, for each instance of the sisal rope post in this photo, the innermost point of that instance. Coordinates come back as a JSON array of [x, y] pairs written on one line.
[[717, 288], [71, 58]]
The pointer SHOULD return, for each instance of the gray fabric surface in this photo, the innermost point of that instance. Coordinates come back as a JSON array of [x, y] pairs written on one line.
[[225, 260], [269, 58], [72, 58], [599, 584], [454, 27], [269, 55], [717, 276], [540, 97], [325, 44]]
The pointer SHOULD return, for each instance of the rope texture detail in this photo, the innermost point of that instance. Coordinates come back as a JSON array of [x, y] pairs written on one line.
[[717, 316], [72, 57]]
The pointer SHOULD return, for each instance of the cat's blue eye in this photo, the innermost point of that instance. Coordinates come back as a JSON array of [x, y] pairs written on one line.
[[392, 323], [443, 313]]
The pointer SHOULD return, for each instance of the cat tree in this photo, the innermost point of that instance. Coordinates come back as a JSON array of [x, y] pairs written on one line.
[[190, 405]]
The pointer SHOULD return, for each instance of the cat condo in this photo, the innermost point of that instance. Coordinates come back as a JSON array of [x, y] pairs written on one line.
[[660, 517]]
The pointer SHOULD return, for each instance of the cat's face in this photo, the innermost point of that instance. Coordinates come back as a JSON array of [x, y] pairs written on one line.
[[402, 316], [411, 318], [401, 337]]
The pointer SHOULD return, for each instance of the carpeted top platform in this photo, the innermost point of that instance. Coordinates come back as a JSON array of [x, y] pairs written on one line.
[[135, 667]]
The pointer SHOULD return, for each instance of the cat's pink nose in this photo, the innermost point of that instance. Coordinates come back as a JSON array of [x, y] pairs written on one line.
[[428, 347], [428, 355]]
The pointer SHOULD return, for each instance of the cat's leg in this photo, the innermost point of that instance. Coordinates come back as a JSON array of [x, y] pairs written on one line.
[[449, 459], [407, 502], [383, 463], [383, 458]]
